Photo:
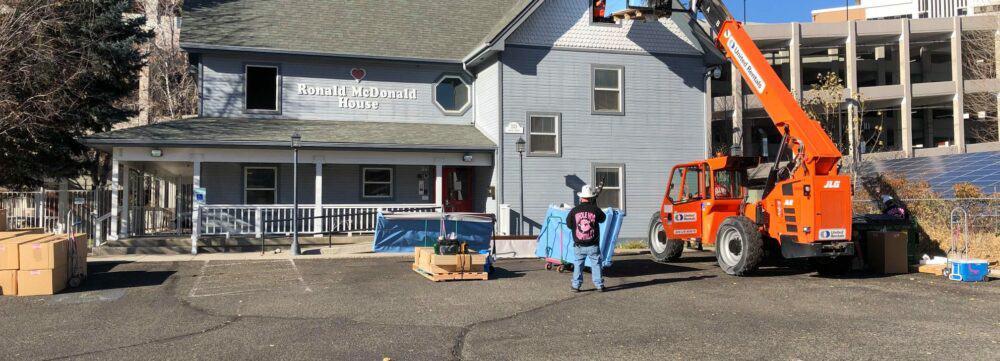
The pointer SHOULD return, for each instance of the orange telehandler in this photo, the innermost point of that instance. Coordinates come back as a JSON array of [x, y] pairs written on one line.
[[802, 209]]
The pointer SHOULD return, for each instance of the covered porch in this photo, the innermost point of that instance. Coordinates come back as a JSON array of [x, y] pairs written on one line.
[[249, 190]]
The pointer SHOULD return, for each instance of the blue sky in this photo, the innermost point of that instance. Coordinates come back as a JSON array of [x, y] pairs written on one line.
[[765, 11]]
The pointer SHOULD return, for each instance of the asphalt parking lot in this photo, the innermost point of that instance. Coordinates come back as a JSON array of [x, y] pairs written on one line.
[[367, 309]]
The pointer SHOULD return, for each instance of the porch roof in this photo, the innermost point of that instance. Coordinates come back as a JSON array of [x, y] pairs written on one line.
[[243, 132]]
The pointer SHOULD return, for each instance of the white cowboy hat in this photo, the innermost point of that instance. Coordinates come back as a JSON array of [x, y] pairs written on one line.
[[587, 191]]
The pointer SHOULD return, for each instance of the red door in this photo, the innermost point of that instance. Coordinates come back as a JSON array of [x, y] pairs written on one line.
[[458, 189]]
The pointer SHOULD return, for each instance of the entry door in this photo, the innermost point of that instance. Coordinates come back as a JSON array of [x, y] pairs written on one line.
[[458, 189], [685, 194]]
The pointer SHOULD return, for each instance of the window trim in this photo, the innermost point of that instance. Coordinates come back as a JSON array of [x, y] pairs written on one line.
[[246, 188], [391, 182], [278, 91], [461, 111], [622, 184], [621, 89], [558, 134]]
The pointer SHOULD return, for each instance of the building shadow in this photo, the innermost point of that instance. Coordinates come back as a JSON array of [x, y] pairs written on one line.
[[642, 267], [102, 276]]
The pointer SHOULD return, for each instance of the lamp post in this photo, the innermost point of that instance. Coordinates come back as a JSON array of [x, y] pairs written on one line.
[[520, 151], [296, 143]]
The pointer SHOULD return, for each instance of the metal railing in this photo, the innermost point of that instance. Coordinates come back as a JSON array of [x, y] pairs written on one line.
[[49, 209], [261, 220]]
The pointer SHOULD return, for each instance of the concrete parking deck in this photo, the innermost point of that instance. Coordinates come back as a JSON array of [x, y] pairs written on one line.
[[365, 309]]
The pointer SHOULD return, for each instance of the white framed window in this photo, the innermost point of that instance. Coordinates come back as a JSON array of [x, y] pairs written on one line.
[[376, 182], [260, 185], [612, 178], [262, 88], [607, 84], [452, 95], [543, 134]]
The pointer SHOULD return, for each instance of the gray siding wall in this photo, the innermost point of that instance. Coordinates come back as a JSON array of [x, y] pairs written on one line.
[[488, 100], [223, 88], [223, 183], [662, 126]]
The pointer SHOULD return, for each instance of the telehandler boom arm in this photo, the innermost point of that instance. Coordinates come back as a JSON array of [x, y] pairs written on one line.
[[805, 136]]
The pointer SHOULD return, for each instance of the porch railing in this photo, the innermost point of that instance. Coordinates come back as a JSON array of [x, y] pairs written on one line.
[[59, 211], [260, 220]]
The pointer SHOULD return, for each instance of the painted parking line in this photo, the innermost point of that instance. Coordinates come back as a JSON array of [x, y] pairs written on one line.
[[221, 278]]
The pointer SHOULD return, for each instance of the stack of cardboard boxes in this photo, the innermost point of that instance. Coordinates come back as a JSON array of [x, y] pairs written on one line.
[[34, 263]]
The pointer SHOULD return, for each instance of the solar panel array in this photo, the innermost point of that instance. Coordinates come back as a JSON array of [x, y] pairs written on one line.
[[944, 171]]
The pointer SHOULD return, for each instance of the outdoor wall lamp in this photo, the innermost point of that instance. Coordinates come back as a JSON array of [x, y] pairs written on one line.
[[520, 145], [156, 152], [296, 140], [467, 157]]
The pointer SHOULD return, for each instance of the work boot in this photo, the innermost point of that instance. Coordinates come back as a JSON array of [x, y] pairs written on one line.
[[575, 289], [600, 289]]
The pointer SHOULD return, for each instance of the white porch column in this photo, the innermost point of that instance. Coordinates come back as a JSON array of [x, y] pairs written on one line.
[[318, 198], [126, 214], [795, 61], [175, 203], [115, 183], [195, 210], [439, 186], [708, 115]]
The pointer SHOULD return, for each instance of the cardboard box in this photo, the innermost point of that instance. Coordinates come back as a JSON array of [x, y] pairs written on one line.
[[887, 252], [44, 255], [8, 282], [10, 255], [41, 282], [14, 234]]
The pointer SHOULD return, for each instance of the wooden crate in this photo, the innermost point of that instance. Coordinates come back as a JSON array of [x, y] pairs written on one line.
[[436, 267]]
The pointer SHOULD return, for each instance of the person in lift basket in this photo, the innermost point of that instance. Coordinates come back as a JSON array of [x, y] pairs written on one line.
[[584, 222]]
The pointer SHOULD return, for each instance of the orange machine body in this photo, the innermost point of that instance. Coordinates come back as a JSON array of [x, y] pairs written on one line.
[[806, 210]]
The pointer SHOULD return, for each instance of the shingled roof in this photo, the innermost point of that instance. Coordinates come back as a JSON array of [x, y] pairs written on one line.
[[243, 132], [432, 30]]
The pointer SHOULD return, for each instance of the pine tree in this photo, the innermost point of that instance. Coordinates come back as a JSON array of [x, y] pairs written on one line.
[[66, 70]]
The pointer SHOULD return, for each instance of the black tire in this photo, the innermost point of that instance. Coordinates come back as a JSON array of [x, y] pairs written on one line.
[[548, 266], [831, 266], [738, 246], [662, 249]]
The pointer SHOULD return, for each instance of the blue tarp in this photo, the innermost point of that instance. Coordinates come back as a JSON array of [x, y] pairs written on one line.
[[401, 232], [556, 241]]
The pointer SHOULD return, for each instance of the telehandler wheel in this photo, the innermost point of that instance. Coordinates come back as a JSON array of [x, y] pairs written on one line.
[[660, 247], [738, 246]]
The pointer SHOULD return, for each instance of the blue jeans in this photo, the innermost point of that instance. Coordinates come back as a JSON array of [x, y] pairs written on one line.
[[593, 254]]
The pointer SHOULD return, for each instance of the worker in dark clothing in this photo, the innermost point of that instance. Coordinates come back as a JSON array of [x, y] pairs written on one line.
[[584, 222]]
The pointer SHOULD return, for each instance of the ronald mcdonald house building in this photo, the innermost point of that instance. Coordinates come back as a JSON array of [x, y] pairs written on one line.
[[427, 106]]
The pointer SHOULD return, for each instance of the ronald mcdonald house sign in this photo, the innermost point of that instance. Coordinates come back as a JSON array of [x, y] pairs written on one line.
[[356, 96]]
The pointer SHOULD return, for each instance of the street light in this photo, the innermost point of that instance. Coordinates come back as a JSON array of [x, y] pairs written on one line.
[[296, 144], [520, 151]]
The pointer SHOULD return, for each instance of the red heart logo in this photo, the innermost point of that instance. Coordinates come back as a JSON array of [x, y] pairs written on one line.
[[358, 74]]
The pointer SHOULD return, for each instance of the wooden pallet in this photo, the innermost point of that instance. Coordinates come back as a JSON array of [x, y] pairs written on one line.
[[451, 276]]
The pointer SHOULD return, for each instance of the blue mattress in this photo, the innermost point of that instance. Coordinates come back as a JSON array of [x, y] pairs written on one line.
[[556, 241], [400, 232]]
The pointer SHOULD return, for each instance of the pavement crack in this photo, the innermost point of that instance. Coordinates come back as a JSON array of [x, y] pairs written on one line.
[[459, 347], [220, 326]]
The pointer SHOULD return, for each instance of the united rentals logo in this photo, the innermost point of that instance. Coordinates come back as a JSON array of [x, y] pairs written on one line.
[[741, 58]]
